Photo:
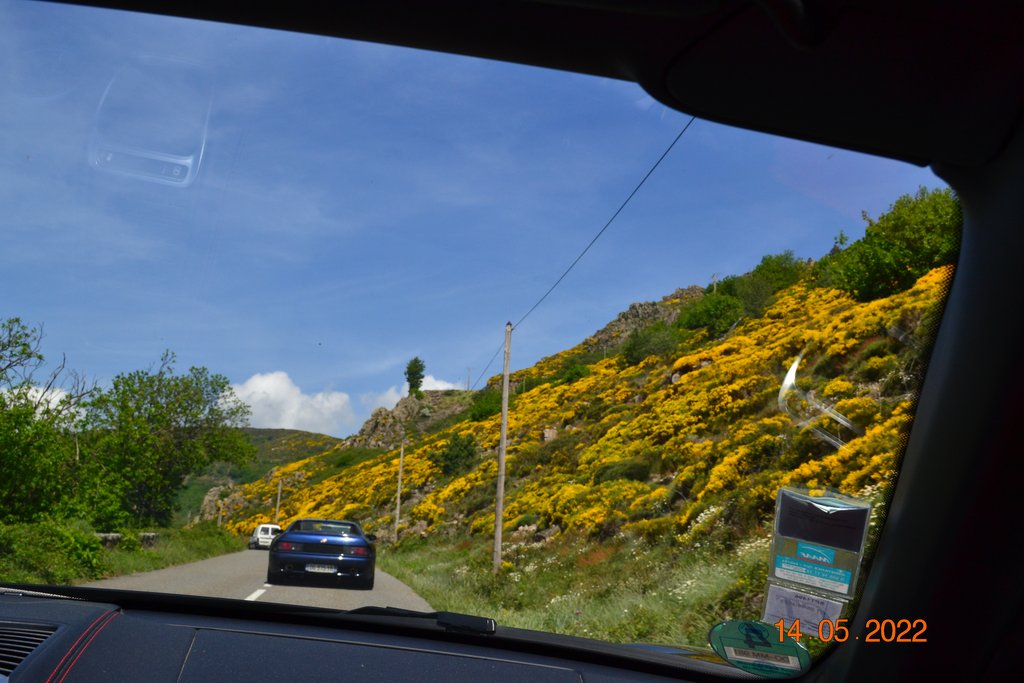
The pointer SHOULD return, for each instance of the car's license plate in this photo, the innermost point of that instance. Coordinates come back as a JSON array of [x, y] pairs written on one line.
[[320, 568]]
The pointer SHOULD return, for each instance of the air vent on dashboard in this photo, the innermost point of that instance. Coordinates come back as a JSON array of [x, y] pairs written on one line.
[[17, 641]]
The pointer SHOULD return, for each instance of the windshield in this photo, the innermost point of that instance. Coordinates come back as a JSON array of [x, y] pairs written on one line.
[[254, 277]]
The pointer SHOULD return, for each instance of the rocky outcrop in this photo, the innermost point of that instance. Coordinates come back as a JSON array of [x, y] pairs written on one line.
[[411, 415], [220, 498], [640, 315]]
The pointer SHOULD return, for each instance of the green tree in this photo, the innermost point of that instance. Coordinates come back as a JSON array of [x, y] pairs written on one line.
[[716, 312], [36, 457], [657, 339], [780, 270], [414, 375], [152, 429], [756, 288], [19, 352], [918, 233], [37, 427]]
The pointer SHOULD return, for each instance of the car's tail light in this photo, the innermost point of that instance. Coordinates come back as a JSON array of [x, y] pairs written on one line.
[[358, 550], [285, 545]]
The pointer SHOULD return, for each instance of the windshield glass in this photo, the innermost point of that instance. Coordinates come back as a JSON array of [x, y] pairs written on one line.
[[254, 277]]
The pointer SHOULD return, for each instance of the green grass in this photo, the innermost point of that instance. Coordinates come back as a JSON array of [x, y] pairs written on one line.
[[173, 546], [67, 551], [625, 591]]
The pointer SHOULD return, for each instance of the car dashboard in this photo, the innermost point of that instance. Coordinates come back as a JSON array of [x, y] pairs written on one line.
[[87, 634]]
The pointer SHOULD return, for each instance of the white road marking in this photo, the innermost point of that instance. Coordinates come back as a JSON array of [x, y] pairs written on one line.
[[257, 594]]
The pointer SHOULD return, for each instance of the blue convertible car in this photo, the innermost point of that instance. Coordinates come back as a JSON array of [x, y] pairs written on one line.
[[323, 548]]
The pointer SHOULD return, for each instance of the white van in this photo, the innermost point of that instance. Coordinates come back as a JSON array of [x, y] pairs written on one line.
[[263, 535]]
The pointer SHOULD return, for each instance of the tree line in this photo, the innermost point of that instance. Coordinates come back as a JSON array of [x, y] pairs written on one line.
[[919, 232], [115, 457]]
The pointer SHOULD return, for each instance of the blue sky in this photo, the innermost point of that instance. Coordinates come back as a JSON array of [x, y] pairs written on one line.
[[357, 205]]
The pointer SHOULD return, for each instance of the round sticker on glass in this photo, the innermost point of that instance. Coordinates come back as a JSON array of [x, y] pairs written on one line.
[[756, 648]]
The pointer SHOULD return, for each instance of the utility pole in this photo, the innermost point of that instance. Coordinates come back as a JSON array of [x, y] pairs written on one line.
[[469, 376], [277, 508], [499, 504], [398, 496]]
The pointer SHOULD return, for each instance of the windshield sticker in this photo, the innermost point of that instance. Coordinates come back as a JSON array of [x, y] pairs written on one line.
[[792, 606], [753, 647], [811, 574]]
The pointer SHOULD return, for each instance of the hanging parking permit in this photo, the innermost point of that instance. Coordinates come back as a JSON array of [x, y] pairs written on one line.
[[759, 649], [819, 541]]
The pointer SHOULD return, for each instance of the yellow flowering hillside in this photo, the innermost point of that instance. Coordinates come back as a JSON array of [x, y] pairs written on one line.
[[690, 446]]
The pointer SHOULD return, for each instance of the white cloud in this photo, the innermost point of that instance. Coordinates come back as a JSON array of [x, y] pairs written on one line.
[[52, 396], [390, 396], [277, 402], [43, 398], [386, 399], [431, 383]]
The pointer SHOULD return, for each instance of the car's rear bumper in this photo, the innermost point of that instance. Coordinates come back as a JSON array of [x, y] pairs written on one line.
[[296, 565]]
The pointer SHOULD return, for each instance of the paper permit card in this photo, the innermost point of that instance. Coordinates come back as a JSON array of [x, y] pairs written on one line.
[[789, 605]]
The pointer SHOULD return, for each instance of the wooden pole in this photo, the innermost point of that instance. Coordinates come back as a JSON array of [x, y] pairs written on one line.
[[499, 503], [398, 496], [277, 508]]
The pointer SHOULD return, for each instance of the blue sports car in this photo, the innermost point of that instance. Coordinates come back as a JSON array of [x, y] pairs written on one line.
[[323, 548]]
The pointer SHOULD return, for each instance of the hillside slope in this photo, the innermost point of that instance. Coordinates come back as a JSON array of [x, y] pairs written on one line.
[[648, 448]]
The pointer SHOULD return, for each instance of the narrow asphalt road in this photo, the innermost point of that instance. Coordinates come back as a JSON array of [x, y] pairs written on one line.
[[241, 575]]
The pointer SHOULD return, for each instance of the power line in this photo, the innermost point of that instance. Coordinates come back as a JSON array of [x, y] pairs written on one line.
[[596, 237], [610, 220], [488, 366]]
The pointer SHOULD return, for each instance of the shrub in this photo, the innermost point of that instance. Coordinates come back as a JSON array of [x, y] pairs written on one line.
[[49, 551], [457, 455], [573, 373], [632, 469], [716, 312], [755, 289], [654, 340], [487, 402]]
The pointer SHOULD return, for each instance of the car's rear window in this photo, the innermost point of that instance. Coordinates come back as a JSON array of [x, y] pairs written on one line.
[[329, 528]]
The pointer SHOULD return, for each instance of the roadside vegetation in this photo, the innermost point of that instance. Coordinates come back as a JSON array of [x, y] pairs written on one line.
[[622, 590], [77, 460], [50, 551]]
